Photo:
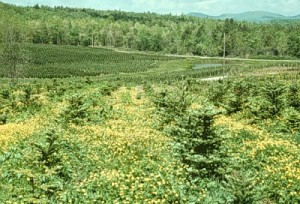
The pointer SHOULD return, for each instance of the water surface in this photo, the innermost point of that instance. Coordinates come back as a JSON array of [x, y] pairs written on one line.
[[206, 65]]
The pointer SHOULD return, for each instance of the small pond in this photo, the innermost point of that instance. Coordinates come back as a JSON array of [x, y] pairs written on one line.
[[206, 65]]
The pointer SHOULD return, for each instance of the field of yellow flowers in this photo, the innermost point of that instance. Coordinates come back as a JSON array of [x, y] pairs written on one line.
[[121, 159], [275, 157], [97, 144]]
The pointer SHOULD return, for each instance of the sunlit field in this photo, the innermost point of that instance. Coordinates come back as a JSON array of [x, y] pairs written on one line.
[[121, 107]]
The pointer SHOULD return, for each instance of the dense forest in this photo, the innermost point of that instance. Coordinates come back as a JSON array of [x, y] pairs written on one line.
[[152, 32]]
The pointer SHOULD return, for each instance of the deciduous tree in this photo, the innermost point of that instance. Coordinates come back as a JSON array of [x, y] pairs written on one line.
[[12, 54]]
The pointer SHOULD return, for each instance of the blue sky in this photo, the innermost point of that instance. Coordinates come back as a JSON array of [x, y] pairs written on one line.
[[211, 7]]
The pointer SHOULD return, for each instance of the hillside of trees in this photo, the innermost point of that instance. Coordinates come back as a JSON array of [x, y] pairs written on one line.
[[152, 32]]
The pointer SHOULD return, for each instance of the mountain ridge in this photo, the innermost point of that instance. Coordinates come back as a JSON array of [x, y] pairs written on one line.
[[252, 16]]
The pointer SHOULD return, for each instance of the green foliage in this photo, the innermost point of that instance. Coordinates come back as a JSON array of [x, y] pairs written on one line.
[[47, 161], [197, 143], [82, 109], [56, 89], [291, 119], [237, 98], [297, 137], [154, 32], [5, 93], [88, 80], [293, 98], [217, 92], [3, 118], [35, 172], [172, 104], [273, 93], [268, 102], [81, 164], [20, 101], [68, 61], [77, 110], [242, 186], [12, 52], [256, 100], [107, 89]]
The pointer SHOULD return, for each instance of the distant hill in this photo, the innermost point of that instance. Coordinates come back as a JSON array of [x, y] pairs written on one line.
[[253, 16]]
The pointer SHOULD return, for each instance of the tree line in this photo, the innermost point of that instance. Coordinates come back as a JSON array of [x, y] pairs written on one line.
[[154, 32]]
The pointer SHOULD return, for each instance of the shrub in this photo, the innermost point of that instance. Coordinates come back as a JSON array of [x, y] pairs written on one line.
[[173, 104], [35, 169], [217, 93], [5, 93], [273, 92], [76, 111], [107, 89], [237, 96], [291, 119], [293, 97], [268, 102], [197, 143], [3, 119], [242, 185], [88, 81]]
